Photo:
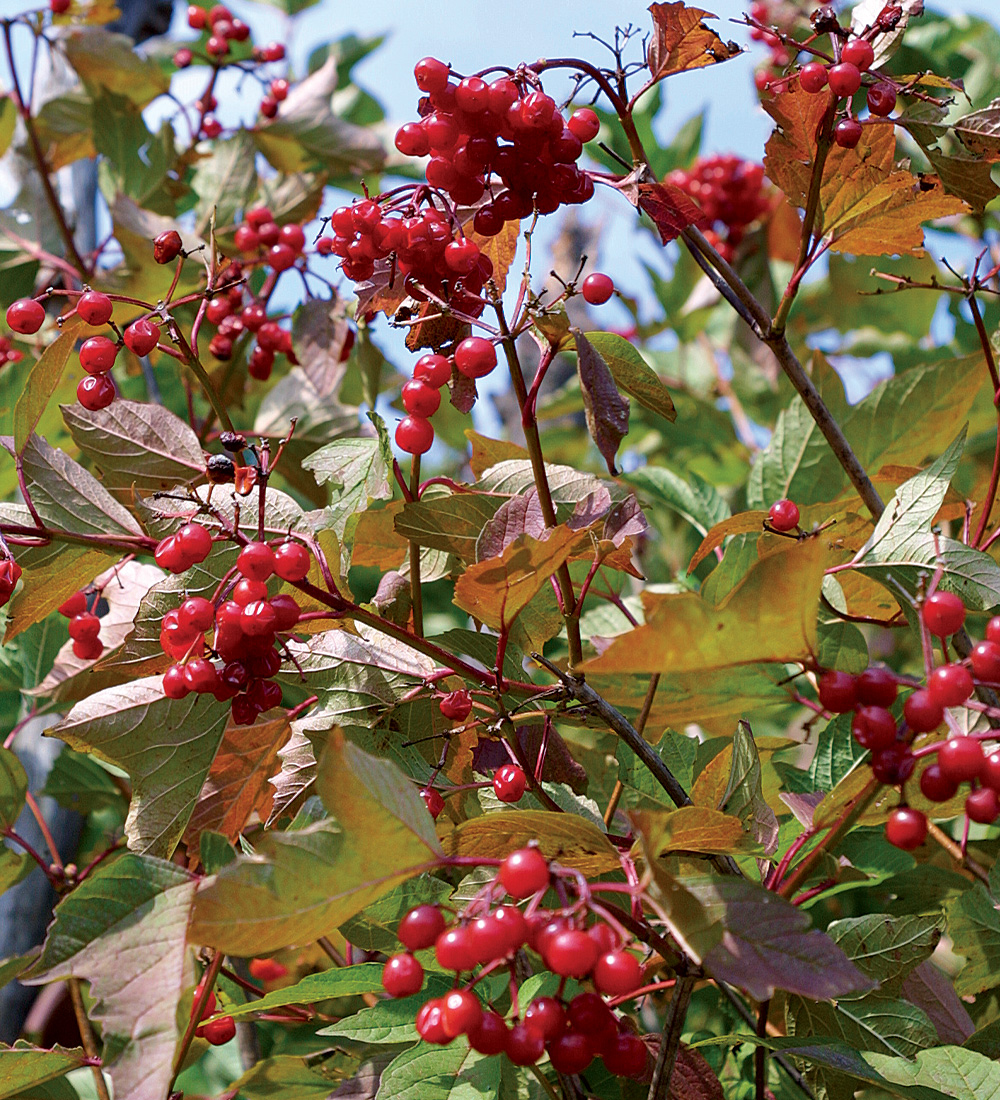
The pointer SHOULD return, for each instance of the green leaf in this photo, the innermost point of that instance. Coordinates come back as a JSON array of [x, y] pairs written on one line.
[[374, 928], [8, 119], [302, 883], [450, 523], [973, 923], [744, 795], [836, 754], [328, 985], [225, 181], [23, 1066], [693, 499], [165, 745], [41, 381], [632, 373], [887, 948], [357, 473], [109, 62], [14, 866], [135, 161], [842, 646], [123, 931], [452, 1072], [13, 787], [956, 1072], [281, 1077], [676, 751], [390, 1021], [79, 783]]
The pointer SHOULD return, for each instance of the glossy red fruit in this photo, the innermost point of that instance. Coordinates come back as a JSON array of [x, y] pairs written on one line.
[[570, 1053], [25, 316], [604, 936], [258, 619], [414, 435], [420, 398], [196, 614], [509, 783], [597, 288], [60, 7], [844, 79], [175, 685], [982, 805], [429, 1022], [84, 627], [881, 99], [431, 75], [461, 1012], [247, 591], [524, 873], [435, 370], [95, 392], [961, 759], [993, 630], [167, 246], [617, 973], [141, 337], [281, 257], [88, 650], [873, 728], [589, 1014], [168, 555], [475, 357], [858, 52], [943, 613], [421, 927], [256, 561], [402, 976], [74, 605], [923, 712], [950, 685], [201, 675], [95, 308], [286, 612], [510, 922], [838, 691], [935, 785], [571, 953], [985, 660], [546, 1016], [783, 515], [893, 765], [455, 949], [292, 561], [625, 1056], [489, 1036], [218, 1032], [584, 123], [847, 133], [97, 354], [456, 705], [195, 541], [812, 77], [877, 687], [524, 1045], [267, 970], [906, 828], [433, 801], [990, 775]]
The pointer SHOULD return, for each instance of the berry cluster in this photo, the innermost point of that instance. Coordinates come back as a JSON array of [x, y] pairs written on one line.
[[217, 1032], [247, 630], [760, 12], [84, 627], [487, 936], [732, 194], [10, 573]]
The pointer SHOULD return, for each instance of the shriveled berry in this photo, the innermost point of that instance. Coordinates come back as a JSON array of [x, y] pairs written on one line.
[[456, 705], [881, 99], [433, 801], [167, 246], [893, 765], [141, 337]]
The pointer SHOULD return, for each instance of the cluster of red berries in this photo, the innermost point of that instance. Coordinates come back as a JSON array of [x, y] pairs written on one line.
[[730, 191], [247, 629], [760, 12], [84, 627], [10, 574], [572, 1033], [222, 28], [217, 1032], [960, 759]]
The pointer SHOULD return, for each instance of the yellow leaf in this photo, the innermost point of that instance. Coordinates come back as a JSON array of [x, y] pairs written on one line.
[[488, 452], [681, 41], [769, 616], [500, 249], [376, 543], [693, 829]]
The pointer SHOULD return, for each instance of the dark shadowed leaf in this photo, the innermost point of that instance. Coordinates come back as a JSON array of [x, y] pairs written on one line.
[[606, 410]]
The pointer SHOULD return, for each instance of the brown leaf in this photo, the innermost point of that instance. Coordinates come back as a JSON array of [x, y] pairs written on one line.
[[681, 41], [606, 410], [318, 334], [625, 518], [237, 784], [376, 543], [298, 770], [693, 1078], [517, 516], [438, 329], [383, 291], [671, 210]]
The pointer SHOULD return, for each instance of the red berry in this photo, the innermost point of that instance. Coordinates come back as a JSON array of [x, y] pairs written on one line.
[[604, 936], [935, 785], [524, 1045], [617, 973], [431, 75], [589, 1014], [570, 1053], [435, 370], [247, 591], [421, 927], [838, 691], [783, 515], [256, 561], [286, 612], [88, 650], [597, 288], [266, 970], [510, 922], [244, 711], [168, 555], [881, 99], [430, 1022], [546, 1016], [292, 235], [281, 257], [524, 873], [195, 541], [845, 78], [456, 705], [943, 613], [893, 765], [950, 685], [584, 123], [847, 133], [183, 57], [461, 1012], [258, 618], [509, 783], [985, 659], [175, 685], [906, 828], [922, 712], [84, 627], [993, 630], [201, 675], [279, 89], [95, 392], [433, 801], [812, 77], [858, 52], [97, 354], [95, 308], [983, 806], [167, 246], [877, 687], [25, 316], [196, 614], [571, 953], [411, 140], [402, 976], [74, 605], [475, 357], [420, 399], [291, 561], [455, 949], [141, 337], [462, 256], [990, 774], [489, 1036], [625, 1056], [961, 759], [60, 7], [414, 434], [218, 1032]]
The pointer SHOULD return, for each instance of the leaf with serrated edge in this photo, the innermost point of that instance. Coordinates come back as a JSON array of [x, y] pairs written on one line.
[[281, 1075], [302, 883], [681, 41], [165, 745], [887, 948], [40, 382], [453, 1072], [348, 981], [23, 1067], [958, 1073], [123, 930]]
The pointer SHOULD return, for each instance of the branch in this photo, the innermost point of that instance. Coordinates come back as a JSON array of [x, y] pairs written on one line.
[[87, 1036], [670, 1041]]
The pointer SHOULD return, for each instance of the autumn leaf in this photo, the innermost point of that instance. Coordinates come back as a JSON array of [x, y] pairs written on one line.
[[606, 410], [681, 41]]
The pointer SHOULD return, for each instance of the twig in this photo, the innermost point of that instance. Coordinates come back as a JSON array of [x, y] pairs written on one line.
[[640, 727], [956, 853], [416, 592], [87, 1036], [760, 1054], [670, 1040]]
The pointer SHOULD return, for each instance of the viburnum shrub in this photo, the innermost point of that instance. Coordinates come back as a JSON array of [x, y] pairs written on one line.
[[638, 736]]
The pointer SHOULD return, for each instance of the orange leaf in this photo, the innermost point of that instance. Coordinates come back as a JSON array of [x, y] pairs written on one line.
[[671, 210], [742, 523], [681, 41], [376, 543], [500, 249]]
